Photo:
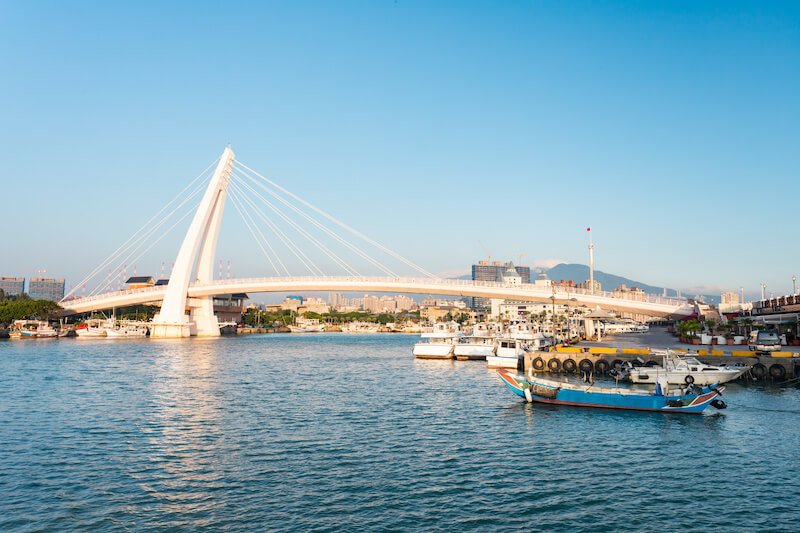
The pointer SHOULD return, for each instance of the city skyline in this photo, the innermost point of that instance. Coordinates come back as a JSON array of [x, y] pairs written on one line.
[[679, 158]]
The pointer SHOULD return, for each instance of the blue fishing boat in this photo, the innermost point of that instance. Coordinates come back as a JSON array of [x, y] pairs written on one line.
[[535, 389]]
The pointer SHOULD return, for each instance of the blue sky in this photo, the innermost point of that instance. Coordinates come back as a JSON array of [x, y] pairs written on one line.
[[442, 129]]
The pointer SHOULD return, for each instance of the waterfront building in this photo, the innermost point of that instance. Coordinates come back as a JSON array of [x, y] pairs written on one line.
[[494, 271], [781, 313], [229, 307], [373, 304], [436, 313], [291, 303], [12, 286], [46, 289], [543, 281], [629, 293], [313, 305], [730, 298], [588, 286], [140, 282]]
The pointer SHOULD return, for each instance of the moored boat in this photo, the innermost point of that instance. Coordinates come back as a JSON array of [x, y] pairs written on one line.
[[478, 345], [307, 325], [34, 329], [679, 370], [440, 343], [692, 401], [507, 353]]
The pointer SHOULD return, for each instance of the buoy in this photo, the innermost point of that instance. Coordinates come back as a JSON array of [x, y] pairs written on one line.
[[528, 395]]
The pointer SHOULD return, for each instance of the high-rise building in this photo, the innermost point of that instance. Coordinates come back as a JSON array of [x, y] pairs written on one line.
[[730, 298], [493, 271], [12, 286], [46, 289]]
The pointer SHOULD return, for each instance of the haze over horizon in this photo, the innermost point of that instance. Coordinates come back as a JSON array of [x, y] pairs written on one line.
[[446, 131]]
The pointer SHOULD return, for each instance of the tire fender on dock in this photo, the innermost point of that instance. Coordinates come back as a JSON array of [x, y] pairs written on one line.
[[554, 365], [569, 366], [759, 371], [777, 372]]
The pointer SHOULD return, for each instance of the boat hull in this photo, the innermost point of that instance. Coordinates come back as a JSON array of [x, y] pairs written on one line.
[[473, 352], [680, 378], [432, 350], [502, 362], [599, 398]]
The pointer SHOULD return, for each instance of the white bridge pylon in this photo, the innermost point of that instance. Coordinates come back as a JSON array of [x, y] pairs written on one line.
[[196, 255]]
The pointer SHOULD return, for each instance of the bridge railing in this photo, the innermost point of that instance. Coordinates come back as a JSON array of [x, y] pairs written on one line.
[[559, 291], [525, 287]]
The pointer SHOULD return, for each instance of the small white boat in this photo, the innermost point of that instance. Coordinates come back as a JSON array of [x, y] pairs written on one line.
[[128, 330], [478, 345], [507, 353], [360, 327], [93, 328], [307, 325], [442, 339], [687, 370]]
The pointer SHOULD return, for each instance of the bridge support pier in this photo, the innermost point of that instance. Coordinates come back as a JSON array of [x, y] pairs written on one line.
[[196, 256]]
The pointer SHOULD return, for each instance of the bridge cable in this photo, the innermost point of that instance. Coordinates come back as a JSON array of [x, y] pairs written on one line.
[[338, 260], [118, 251], [284, 238], [245, 218], [141, 241], [321, 226], [355, 232], [161, 236]]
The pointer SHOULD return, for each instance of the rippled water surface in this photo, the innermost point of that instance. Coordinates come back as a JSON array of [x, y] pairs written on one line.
[[338, 432]]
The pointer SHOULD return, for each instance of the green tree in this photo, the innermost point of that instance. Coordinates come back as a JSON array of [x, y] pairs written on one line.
[[11, 310]]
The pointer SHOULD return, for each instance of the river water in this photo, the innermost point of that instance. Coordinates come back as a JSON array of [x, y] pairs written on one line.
[[341, 432]]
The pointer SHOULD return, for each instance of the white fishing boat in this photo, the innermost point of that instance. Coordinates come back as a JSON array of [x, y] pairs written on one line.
[[32, 329], [478, 344], [441, 340], [93, 328], [360, 327], [507, 353], [307, 325], [128, 330], [686, 370], [531, 338]]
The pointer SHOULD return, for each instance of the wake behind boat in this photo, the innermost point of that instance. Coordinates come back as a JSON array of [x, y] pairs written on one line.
[[555, 392]]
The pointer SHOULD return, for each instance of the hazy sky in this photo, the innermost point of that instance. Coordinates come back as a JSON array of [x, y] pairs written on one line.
[[446, 130]]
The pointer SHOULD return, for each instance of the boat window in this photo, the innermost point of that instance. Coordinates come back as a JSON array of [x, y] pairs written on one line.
[[767, 336]]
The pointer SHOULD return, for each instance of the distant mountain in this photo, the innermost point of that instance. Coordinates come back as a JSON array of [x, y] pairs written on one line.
[[609, 282]]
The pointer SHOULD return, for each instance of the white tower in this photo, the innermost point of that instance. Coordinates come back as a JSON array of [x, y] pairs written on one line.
[[591, 261], [195, 262]]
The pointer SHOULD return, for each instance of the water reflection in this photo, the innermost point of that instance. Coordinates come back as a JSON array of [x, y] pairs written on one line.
[[182, 473]]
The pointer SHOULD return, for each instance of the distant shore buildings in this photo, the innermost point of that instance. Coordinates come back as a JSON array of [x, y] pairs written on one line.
[[51, 289]]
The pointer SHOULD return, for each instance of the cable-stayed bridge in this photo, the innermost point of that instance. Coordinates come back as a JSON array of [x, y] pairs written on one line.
[[278, 220]]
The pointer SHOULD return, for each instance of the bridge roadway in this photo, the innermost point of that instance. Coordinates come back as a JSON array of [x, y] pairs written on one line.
[[652, 305]]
